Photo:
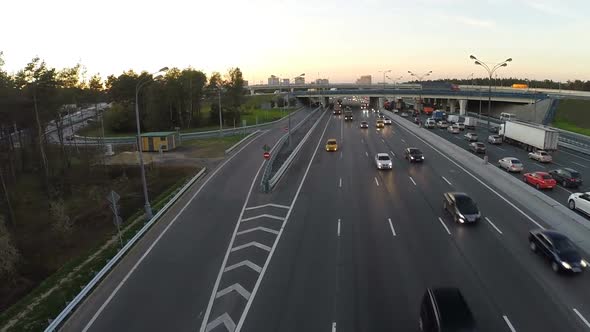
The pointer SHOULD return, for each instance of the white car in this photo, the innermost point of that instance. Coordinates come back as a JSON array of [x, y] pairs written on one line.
[[453, 129], [580, 202], [404, 114], [541, 156], [383, 161], [511, 164], [471, 137], [442, 124], [494, 139], [387, 121], [395, 110], [461, 126], [430, 123]]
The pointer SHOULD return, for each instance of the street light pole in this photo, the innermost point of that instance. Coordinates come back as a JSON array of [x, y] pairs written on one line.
[[219, 111], [384, 72], [147, 206], [490, 76], [420, 77]]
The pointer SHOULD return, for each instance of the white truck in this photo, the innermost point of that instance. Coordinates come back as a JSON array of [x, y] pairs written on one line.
[[452, 118], [470, 122], [529, 136]]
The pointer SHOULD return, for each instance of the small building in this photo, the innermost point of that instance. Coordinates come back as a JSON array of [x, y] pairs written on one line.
[[273, 80], [164, 140], [300, 80]]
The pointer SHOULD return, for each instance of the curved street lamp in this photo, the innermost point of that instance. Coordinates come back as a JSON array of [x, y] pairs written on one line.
[[490, 71], [147, 207], [420, 78]]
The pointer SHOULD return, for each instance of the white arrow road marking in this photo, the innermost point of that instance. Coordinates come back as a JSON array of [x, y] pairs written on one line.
[[263, 216], [225, 319], [259, 228], [251, 244], [244, 263], [265, 205], [233, 288]]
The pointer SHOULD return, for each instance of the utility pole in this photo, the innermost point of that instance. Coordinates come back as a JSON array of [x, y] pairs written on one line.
[[219, 111]]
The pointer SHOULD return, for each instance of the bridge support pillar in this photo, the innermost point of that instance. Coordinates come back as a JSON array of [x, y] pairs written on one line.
[[452, 105], [374, 102], [462, 106], [326, 101], [251, 92]]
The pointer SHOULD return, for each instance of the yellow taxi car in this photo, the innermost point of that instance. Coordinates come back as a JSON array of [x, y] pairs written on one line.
[[380, 124], [331, 145]]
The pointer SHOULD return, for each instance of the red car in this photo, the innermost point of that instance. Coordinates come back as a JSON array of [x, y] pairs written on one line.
[[541, 180]]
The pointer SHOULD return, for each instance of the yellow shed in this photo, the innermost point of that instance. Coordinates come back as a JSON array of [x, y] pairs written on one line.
[[165, 140]]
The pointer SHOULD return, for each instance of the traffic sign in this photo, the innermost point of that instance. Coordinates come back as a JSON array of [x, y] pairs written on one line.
[[286, 128], [266, 155]]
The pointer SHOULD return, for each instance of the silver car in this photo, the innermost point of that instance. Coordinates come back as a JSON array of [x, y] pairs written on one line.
[[453, 129], [511, 164], [494, 139], [541, 156], [387, 121], [471, 137], [461, 126], [442, 124], [383, 161]]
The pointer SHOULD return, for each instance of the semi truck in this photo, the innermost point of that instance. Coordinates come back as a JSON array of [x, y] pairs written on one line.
[[453, 118], [470, 122], [438, 115], [529, 136]]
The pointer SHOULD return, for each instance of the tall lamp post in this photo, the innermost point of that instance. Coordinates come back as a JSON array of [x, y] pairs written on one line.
[[420, 78], [384, 72], [147, 207], [490, 75]]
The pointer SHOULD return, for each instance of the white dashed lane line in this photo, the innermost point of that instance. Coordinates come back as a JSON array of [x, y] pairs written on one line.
[[447, 181], [376, 182], [491, 223], [391, 226], [444, 225], [512, 329], [581, 317], [573, 162], [414, 182]]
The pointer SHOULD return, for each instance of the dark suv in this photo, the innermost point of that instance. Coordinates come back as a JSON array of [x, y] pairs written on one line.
[[568, 177], [445, 309]]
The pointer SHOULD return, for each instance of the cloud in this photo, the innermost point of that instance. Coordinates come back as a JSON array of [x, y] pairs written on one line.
[[475, 22], [548, 8]]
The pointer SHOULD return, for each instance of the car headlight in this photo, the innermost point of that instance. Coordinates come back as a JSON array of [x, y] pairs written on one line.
[[566, 265], [584, 263], [412, 158]]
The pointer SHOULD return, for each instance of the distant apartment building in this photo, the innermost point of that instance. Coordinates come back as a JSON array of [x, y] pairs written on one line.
[[323, 81], [273, 80], [300, 80], [365, 79], [285, 81]]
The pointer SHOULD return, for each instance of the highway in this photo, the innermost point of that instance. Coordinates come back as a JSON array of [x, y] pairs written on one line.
[[338, 246], [561, 158]]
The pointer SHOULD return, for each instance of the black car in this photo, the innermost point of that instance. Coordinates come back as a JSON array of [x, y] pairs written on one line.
[[364, 124], [558, 249], [413, 154], [381, 115], [477, 147], [568, 177], [461, 207], [445, 309], [494, 129]]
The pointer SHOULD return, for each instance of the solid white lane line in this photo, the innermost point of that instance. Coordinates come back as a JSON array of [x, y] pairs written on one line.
[[366, 153], [499, 148], [393, 154], [447, 181], [340, 183], [151, 247], [338, 227], [444, 225], [478, 180], [571, 154], [512, 329], [573, 162], [581, 317], [491, 223], [403, 140], [558, 164], [377, 182], [414, 182], [562, 188], [268, 259], [391, 226]]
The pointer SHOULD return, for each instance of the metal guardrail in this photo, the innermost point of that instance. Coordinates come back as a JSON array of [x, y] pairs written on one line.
[[189, 136], [107, 268], [265, 180], [285, 166], [442, 92], [231, 148]]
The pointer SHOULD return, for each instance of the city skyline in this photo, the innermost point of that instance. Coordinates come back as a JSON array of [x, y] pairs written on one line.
[[339, 41]]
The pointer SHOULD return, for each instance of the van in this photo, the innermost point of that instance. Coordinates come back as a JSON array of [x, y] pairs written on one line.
[[445, 309], [507, 116]]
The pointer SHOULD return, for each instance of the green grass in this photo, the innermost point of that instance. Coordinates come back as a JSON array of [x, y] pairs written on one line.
[[213, 147], [573, 115], [265, 115], [95, 130], [50, 307]]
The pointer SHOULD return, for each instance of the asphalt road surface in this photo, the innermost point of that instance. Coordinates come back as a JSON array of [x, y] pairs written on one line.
[[338, 246]]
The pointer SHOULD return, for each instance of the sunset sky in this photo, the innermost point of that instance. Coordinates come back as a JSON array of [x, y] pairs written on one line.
[[335, 39]]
